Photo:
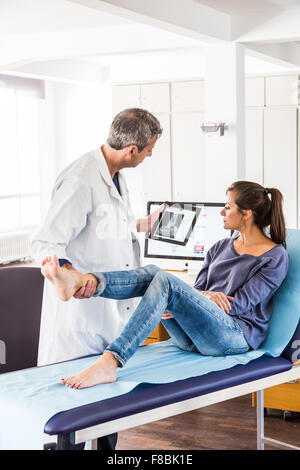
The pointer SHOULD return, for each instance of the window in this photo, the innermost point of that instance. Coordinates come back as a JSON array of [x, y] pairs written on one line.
[[20, 189]]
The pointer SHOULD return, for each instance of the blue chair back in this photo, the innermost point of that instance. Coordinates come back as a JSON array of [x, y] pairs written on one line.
[[287, 298]]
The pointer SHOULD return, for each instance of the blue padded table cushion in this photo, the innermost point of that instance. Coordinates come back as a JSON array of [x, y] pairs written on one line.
[[149, 396]]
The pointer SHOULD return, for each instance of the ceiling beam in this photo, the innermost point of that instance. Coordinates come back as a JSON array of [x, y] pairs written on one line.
[[267, 27], [19, 50], [282, 54], [184, 17], [69, 71]]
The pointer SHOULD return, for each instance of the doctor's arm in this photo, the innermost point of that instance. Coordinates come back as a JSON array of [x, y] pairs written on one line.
[[65, 219]]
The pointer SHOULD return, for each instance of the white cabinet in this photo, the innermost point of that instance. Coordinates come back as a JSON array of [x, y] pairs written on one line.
[[151, 179], [254, 145], [156, 170], [188, 157], [280, 157], [282, 90], [174, 170], [187, 96], [272, 138], [155, 97], [255, 91], [188, 153]]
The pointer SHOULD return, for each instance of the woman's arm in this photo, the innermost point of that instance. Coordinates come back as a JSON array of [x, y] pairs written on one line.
[[201, 279]]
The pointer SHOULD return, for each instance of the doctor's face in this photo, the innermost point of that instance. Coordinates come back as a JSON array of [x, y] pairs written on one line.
[[138, 157]]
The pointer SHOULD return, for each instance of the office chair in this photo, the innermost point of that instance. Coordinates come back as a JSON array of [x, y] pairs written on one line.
[[21, 293]]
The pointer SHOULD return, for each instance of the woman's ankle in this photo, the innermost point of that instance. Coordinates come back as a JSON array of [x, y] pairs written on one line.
[[111, 359]]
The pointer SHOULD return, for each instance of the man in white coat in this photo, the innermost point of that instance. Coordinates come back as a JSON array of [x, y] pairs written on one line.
[[90, 225]]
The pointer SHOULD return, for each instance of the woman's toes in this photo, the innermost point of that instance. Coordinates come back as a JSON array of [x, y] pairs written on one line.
[[55, 261]]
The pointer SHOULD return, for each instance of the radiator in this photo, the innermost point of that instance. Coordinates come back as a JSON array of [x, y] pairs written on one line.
[[15, 246]]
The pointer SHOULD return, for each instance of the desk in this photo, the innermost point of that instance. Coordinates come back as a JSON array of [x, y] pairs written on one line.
[[285, 397]]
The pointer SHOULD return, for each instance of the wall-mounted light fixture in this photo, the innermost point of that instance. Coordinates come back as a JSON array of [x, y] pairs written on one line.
[[213, 127]]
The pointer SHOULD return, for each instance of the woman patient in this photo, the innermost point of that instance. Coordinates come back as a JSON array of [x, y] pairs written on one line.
[[226, 312]]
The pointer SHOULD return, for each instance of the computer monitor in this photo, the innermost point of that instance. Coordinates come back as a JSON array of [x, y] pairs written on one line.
[[207, 230]]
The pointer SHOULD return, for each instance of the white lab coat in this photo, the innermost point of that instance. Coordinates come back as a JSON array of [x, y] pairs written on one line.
[[91, 225]]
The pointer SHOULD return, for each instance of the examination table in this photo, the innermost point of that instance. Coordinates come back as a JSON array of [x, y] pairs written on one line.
[[21, 298]]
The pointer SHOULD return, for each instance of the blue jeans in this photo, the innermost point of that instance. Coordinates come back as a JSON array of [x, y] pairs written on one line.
[[199, 325]]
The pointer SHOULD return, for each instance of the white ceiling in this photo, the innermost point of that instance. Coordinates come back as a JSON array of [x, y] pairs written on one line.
[[62, 29], [56, 30], [19, 17], [237, 7]]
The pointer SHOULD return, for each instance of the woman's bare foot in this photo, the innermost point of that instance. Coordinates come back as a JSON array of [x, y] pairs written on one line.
[[65, 281], [103, 371]]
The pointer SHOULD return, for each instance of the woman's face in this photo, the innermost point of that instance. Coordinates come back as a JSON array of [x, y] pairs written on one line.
[[232, 217]]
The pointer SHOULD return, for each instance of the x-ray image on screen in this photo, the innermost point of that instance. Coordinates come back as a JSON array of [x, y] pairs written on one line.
[[169, 225], [175, 223]]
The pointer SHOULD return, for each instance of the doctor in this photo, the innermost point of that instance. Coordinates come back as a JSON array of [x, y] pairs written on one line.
[[91, 227]]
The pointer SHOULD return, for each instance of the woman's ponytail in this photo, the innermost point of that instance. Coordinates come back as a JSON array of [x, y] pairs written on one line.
[[277, 221]]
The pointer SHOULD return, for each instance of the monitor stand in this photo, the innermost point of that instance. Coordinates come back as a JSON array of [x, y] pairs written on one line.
[[193, 269], [185, 269], [167, 263], [194, 266]]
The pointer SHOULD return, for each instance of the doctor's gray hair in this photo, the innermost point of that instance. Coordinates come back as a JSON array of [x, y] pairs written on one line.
[[133, 126]]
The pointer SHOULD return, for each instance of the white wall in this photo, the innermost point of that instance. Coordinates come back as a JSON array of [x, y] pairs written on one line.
[[74, 119], [82, 115]]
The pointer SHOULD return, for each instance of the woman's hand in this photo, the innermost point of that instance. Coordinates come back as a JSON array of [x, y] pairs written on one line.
[[166, 315], [220, 299]]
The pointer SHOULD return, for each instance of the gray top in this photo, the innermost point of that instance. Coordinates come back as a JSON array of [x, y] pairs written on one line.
[[251, 280]]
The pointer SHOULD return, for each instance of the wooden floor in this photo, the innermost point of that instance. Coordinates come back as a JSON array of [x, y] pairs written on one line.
[[230, 425]]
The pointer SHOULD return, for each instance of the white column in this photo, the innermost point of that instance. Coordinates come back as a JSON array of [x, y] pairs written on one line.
[[224, 101]]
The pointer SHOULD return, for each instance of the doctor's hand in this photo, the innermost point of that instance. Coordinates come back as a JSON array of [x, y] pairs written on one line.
[[87, 291], [220, 299], [146, 225]]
